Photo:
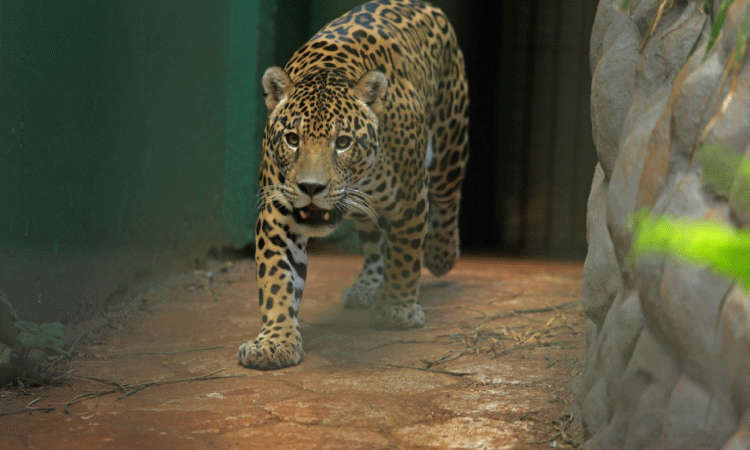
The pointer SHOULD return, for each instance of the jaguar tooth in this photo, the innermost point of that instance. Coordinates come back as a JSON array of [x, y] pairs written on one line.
[[326, 216], [303, 214]]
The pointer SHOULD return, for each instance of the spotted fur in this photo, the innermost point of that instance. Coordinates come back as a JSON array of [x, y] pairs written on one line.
[[368, 120]]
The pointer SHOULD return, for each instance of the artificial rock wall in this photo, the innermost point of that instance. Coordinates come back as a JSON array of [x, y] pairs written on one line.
[[668, 344]]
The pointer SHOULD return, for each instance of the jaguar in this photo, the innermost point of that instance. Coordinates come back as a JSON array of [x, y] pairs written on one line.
[[367, 121]]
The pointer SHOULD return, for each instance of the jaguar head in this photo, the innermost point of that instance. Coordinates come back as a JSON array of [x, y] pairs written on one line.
[[321, 137]]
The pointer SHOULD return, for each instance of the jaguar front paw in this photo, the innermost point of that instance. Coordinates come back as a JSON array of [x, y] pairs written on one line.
[[398, 316], [269, 355]]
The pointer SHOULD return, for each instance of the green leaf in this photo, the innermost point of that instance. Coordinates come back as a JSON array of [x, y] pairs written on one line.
[[5, 353], [59, 350], [36, 340], [721, 15], [29, 327], [46, 336], [727, 172], [55, 329], [743, 33], [724, 249], [719, 167], [4, 300]]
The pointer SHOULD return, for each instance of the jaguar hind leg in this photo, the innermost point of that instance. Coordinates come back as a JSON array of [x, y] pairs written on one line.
[[442, 246], [442, 241], [446, 170], [402, 315], [362, 293], [366, 289]]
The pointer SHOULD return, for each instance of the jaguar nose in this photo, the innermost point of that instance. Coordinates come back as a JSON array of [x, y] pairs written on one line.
[[312, 189]]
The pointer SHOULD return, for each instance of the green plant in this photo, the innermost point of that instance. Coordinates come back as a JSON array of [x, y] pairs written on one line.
[[36, 342], [718, 22], [723, 248]]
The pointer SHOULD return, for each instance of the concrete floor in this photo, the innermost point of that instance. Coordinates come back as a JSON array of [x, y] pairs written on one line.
[[490, 370]]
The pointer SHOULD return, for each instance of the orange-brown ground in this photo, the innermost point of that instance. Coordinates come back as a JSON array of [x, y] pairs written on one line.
[[488, 371]]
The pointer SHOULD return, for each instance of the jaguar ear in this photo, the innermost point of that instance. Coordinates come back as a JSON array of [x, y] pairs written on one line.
[[276, 86], [371, 89]]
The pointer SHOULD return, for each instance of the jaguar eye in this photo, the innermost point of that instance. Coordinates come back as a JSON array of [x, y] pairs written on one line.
[[292, 140], [343, 142]]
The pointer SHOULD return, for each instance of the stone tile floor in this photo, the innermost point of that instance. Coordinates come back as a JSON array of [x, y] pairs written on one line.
[[492, 368]]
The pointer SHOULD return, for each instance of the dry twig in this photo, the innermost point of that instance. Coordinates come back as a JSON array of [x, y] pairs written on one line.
[[132, 388], [561, 430], [423, 369], [28, 408], [386, 344], [172, 352]]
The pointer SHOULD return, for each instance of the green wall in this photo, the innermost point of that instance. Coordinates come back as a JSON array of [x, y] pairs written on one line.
[[130, 134], [129, 139]]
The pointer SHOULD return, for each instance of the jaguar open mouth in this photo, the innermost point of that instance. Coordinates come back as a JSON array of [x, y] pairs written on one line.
[[313, 216]]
